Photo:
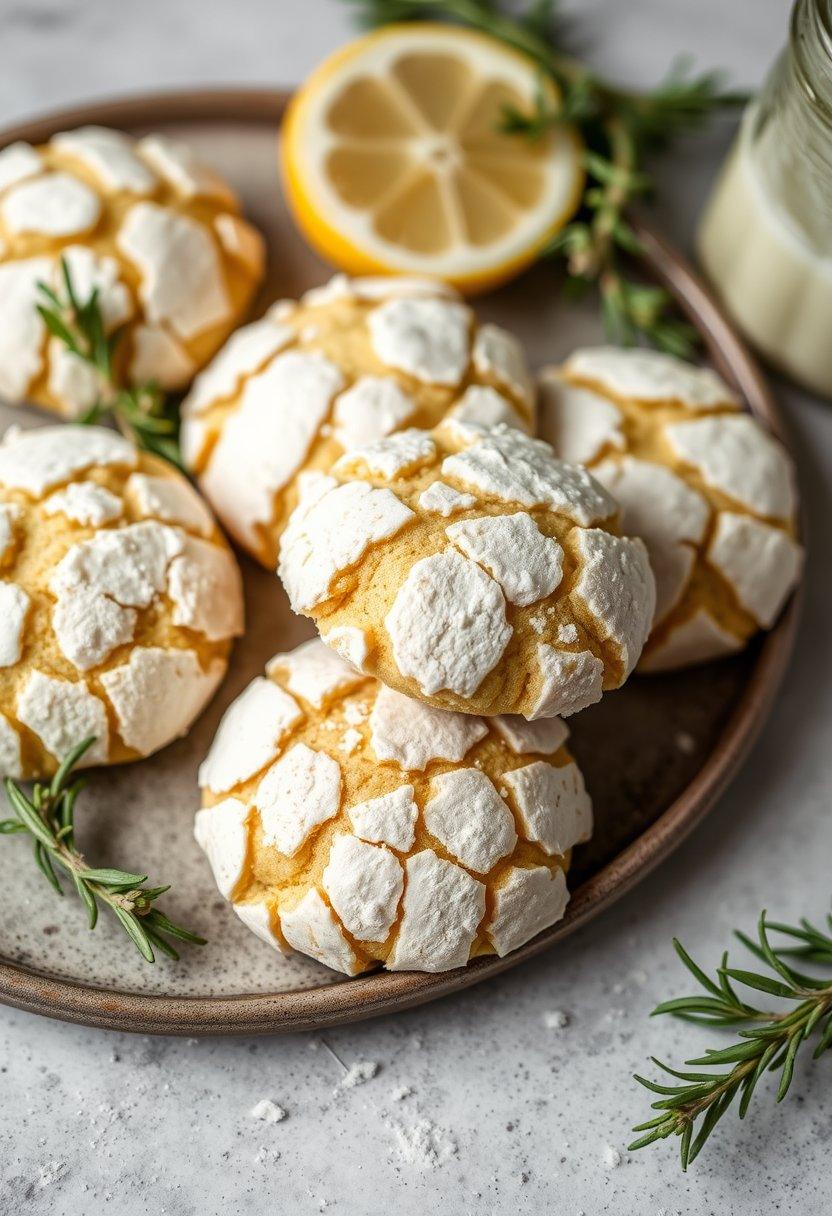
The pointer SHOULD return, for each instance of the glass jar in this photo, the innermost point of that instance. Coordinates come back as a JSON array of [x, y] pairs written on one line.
[[765, 239]]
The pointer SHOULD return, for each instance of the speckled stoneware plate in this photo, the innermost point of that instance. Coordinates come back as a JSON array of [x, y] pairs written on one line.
[[649, 791]]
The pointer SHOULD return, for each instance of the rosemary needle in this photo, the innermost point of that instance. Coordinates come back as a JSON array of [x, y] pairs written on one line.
[[141, 412], [768, 1041], [48, 816]]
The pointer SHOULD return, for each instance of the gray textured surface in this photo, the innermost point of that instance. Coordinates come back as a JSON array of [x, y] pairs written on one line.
[[523, 1113]]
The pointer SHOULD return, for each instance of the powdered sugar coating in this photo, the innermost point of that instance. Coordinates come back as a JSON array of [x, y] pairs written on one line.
[[157, 694], [204, 586], [269, 437], [258, 917], [526, 903], [448, 624], [734, 455], [17, 162], [157, 356], [10, 513], [11, 759], [391, 456], [311, 928], [349, 643], [497, 353], [516, 469], [332, 534], [527, 565], [36, 460], [669, 516], [617, 586], [175, 163], [470, 819], [182, 282], [696, 640], [761, 563], [299, 792], [387, 819], [650, 376], [22, 331], [484, 405], [62, 715], [245, 352], [444, 500], [413, 734], [221, 834], [580, 424], [374, 406], [85, 503], [546, 735], [570, 681], [442, 908], [553, 805], [170, 500], [427, 338], [110, 156], [314, 672], [364, 883], [54, 204], [249, 736], [14, 605]]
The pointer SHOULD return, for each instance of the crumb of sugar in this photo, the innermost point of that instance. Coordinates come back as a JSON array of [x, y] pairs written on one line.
[[265, 1156], [355, 712], [358, 1073], [268, 1111], [555, 1019], [424, 1144], [610, 1157], [349, 741], [51, 1172], [402, 1092]]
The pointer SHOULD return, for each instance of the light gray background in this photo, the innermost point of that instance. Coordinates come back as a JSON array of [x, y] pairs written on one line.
[[523, 1115]]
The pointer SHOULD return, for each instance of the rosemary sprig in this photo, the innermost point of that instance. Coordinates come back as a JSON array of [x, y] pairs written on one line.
[[48, 815], [619, 128], [769, 1042], [142, 412]]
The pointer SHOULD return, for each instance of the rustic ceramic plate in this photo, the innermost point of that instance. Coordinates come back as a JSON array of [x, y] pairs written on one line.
[[656, 754]]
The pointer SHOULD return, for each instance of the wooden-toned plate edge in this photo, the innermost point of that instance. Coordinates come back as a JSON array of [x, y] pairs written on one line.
[[383, 992]]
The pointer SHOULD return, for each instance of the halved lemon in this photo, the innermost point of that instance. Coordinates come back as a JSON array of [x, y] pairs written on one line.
[[394, 161]]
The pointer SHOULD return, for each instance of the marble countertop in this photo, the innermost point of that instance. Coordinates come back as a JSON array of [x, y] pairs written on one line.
[[485, 1102]]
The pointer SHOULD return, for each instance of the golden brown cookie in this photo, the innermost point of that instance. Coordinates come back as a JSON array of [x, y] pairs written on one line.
[[470, 568], [118, 600], [143, 222], [351, 824], [700, 481]]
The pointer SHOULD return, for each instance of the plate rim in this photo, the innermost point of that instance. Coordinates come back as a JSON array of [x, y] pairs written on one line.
[[382, 992]]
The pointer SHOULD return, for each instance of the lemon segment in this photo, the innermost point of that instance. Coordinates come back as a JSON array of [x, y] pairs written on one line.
[[394, 161]]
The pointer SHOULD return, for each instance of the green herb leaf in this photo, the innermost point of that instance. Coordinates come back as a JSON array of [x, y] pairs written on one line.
[[48, 817]]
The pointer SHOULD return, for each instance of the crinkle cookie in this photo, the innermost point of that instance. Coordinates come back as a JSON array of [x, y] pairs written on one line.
[[160, 237], [354, 361], [701, 482], [350, 823], [471, 569], [118, 600]]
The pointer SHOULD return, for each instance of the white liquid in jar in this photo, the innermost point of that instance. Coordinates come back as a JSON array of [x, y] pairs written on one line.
[[775, 282]]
